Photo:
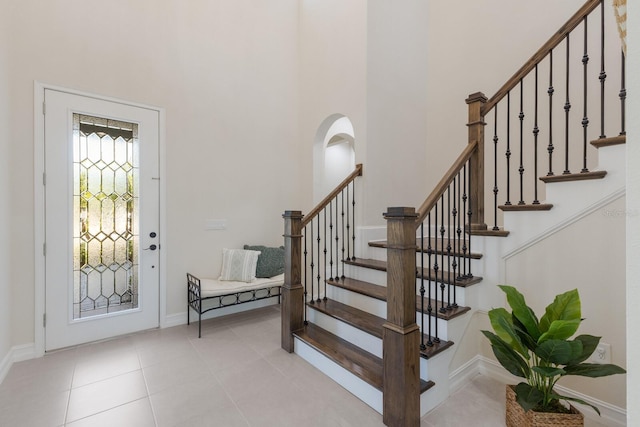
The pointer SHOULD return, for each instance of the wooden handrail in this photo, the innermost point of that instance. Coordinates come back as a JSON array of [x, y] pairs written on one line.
[[315, 211], [554, 41], [433, 198]]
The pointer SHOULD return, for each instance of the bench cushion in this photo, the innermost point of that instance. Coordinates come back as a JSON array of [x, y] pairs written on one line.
[[215, 287]]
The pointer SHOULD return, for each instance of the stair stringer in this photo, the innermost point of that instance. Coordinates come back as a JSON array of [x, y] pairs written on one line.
[[571, 201]]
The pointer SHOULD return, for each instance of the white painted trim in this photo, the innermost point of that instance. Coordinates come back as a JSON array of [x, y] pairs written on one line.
[[611, 415], [566, 223], [464, 374], [39, 204], [16, 353]]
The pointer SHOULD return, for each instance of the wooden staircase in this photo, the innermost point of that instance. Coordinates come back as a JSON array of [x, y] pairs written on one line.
[[360, 304], [341, 313]]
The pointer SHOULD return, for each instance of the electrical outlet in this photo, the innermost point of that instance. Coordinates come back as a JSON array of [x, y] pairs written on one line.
[[602, 354]]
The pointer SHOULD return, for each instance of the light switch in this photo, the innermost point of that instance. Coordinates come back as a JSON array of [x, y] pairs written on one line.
[[215, 224]]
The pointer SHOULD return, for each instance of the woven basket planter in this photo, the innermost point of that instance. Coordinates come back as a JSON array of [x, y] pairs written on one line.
[[516, 417]]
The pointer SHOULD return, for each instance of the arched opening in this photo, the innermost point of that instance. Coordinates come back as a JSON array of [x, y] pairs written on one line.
[[333, 154]]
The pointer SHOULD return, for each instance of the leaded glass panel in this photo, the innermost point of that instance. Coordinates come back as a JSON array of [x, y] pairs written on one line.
[[105, 229]]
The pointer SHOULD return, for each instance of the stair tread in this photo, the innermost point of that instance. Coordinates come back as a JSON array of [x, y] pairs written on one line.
[[438, 245], [580, 176], [361, 363], [425, 273], [606, 142], [526, 207], [380, 292]]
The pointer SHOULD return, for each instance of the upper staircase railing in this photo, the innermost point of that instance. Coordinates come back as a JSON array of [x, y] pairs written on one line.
[[529, 126], [315, 246]]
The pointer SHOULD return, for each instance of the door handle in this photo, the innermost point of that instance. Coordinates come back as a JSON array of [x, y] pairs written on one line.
[[151, 248]]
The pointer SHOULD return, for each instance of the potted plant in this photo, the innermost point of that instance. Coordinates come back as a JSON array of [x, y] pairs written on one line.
[[541, 352]]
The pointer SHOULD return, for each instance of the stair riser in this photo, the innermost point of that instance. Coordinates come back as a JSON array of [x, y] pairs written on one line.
[[354, 335], [376, 307]]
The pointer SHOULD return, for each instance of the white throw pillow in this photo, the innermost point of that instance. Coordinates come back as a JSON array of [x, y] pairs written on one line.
[[239, 265]]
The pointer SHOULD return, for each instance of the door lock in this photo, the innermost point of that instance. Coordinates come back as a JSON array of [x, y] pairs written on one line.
[[151, 248]]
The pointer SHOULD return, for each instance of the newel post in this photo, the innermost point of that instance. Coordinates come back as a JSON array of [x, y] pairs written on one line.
[[476, 125], [292, 292], [400, 334]]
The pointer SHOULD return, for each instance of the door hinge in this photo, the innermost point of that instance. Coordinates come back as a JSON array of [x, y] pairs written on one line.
[[44, 249], [44, 108], [44, 320], [44, 178]]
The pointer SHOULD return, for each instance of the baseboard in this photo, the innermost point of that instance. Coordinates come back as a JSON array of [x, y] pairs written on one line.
[[611, 415], [178, 319], [17, 353]]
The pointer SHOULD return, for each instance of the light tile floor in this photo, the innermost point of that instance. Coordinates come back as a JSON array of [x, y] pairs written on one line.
[[235, 375]]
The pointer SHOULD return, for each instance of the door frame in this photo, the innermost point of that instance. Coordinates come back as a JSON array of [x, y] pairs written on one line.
[[39, 206]]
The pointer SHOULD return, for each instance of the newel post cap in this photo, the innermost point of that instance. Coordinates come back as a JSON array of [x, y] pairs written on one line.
[[400, 212]]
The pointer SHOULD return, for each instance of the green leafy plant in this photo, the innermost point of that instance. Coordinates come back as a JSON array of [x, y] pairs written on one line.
[[540, 351]]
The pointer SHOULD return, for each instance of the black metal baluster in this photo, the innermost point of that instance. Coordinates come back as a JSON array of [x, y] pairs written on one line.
[[429, 307], [585, 117], [312, 265], [319, 276], [348, 228], [469, 214], [435, 275], [567, 110], [623, 94], [508, 152], [353, 217], [331, 241], [454, 264], [324, 244], [306, 322], [442, 230], [550, 91], [342, 217], [603, 74], [464, 220], [536, 130], [459, 233], [521, 167], [495, 168], [449, 281], [338, 260], [422, 344]]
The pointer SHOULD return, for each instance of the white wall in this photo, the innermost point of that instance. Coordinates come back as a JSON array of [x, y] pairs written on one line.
[[587, 255], [226, 74], [477, 47], [332, 83], [5, 188], [633, 219], [397, 100]]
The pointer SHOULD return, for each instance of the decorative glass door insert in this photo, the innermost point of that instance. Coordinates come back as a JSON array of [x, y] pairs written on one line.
[[105, 216]]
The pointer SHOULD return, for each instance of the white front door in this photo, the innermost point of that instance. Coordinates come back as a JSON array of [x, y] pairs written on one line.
[[101, 219]]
